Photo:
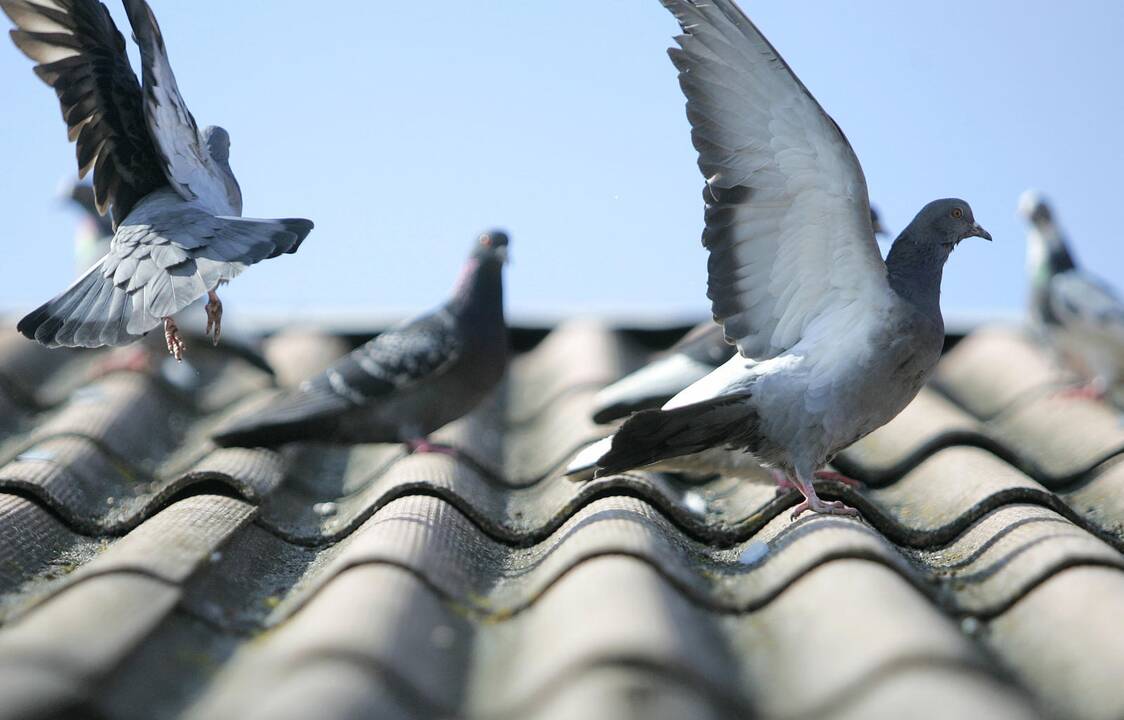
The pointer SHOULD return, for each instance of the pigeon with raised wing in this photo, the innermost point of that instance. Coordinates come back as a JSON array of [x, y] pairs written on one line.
[[178, 230], [693, 357], [1080, 315], [833, 341], [408, 381]]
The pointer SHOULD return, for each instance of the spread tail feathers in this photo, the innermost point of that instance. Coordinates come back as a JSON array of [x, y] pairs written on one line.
[[92, 312], [654, 435]]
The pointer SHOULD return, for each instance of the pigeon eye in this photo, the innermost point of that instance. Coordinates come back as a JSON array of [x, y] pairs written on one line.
[[957, 213]]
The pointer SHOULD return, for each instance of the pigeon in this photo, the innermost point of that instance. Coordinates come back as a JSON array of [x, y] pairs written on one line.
[[1081, 316], [832, 341], [407, 382], [91, 240], [176, 206], [699, 352]]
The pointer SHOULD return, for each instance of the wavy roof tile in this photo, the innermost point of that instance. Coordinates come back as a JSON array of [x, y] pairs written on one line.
[[146, 574]]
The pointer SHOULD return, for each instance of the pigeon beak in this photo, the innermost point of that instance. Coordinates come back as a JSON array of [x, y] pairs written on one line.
[[503, 254], [979, 232]]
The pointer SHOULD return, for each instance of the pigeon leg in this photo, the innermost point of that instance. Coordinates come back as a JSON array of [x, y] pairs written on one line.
[[813, 502], [832, 476], [214, 316], [176, 345], [423, 445], [783, 481], [131, 359], [1095, 389]]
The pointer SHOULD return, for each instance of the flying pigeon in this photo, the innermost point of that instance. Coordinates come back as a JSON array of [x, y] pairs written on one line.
[[408, 381], [178, 230], [696, 354], [1078, 313], [833, 342]]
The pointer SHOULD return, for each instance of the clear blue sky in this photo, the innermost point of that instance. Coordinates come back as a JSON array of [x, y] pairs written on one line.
[[402, 129]]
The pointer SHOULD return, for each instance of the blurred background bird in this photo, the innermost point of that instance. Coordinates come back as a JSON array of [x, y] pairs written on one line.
[[1079, 314]]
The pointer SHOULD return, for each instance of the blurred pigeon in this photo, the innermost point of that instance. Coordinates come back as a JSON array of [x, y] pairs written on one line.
[[176, 206], [408, 381], [699, 352], [833, 341], [91, 240], [1080, 315]]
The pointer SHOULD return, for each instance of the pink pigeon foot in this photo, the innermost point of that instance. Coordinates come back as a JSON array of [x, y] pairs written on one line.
[[422, 445], [832, 476], [132, 359], [214, 316], [783, 481], [1090, 391], [812, 502], [176, 345]]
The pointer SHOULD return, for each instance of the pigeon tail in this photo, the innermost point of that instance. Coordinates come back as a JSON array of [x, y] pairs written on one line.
[[654, 435], [310, 413], [266, 434], [92, 312]]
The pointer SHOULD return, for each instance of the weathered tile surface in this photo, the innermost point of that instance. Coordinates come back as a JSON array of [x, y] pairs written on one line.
[[145, 573]]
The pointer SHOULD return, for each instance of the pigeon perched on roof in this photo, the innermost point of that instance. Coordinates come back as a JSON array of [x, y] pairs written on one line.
[[407, 382], [833, 341], [1079, 314], [696, 354], [178, 230]]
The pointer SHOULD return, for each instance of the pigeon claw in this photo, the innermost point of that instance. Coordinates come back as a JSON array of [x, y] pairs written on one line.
[[176, 345], [214, 316], [814, 504]]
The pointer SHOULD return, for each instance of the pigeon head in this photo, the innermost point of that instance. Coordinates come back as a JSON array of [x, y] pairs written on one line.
[[946, 222], [1033, 207], [917, 258], [876, 224], [218, 143], [491, 246]]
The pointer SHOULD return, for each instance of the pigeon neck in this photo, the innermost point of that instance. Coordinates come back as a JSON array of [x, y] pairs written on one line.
[[914, 268], [1048, 253], [479, 288]]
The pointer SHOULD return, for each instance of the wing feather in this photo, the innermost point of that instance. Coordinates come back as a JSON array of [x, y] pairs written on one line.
[[787, 214], [187, 162], [81, 55]]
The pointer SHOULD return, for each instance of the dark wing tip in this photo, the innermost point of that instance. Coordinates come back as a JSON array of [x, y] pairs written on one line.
[[299, 227], [31, 324]]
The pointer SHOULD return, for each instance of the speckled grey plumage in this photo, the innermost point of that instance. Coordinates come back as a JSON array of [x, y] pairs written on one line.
[[408, 381]]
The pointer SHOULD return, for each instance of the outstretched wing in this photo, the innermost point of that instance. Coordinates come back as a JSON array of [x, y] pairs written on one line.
[[787, 213], [82, 56], [1084, 303], [187, 163]]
